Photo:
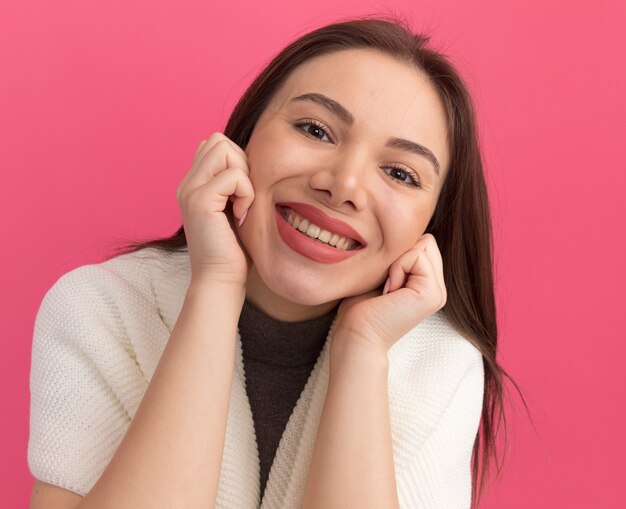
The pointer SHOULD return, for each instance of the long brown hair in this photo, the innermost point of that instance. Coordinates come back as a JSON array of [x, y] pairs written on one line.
[[461, 222]]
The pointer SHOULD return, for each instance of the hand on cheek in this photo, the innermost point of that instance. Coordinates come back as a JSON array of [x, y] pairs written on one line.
[[215, 189], [414, 290]]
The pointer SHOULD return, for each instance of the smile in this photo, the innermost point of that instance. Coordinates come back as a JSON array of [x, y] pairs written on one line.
[[317, 233], [313, 234]]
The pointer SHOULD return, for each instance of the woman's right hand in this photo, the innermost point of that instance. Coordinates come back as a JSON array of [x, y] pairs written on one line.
[[219, 173]]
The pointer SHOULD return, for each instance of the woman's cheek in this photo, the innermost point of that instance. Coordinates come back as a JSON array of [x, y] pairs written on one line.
[[403, 233]]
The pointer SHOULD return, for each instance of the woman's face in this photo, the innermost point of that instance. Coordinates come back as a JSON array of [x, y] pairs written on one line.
[[327, 149]]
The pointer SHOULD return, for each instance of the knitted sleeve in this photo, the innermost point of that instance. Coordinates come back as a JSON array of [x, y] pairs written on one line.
[[450, 448], [440, 472], [438, 475], [85, 381]]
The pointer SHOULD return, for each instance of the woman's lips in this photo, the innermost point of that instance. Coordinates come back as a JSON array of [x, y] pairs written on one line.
[[308, 247], [317, 217]]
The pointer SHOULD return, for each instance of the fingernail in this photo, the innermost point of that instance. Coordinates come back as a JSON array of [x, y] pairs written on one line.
[[386, 287], [243, 217]]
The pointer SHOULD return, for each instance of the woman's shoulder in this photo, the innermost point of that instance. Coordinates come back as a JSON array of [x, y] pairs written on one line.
[[436, 382], [97, 340], [430, 368], [129, 288], [436, 343], [148, 273], [138, 271]]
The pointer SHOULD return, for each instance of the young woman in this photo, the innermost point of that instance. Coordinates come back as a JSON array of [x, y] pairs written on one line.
[[321, 331]]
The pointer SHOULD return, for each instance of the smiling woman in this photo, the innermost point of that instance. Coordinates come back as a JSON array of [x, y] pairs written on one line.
[[321, 330], [339, 168]]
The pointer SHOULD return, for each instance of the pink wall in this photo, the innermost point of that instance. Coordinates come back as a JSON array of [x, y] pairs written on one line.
[[103, 103]]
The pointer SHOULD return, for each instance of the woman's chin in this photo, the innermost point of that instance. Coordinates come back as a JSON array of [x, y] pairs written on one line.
[[287, 291], [302, 297]]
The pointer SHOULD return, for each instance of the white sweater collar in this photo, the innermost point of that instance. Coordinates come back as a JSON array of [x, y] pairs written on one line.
[[289, 471]]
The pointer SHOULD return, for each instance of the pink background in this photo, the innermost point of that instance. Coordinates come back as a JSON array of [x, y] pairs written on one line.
[[102, 104]]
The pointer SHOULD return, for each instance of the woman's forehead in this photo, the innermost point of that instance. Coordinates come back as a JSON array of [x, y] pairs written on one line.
[[366, 82], [343, 69]]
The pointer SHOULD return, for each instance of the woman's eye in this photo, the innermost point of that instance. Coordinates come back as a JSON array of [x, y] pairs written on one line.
[[403, 175], [313, 128]]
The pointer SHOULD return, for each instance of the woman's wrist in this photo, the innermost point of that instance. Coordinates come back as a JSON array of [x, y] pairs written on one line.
[[204, 294], [350, 348], [224, 285]]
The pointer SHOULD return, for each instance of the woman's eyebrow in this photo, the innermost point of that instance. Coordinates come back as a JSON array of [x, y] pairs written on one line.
[[330, 104], [414, 148], [346, 117]]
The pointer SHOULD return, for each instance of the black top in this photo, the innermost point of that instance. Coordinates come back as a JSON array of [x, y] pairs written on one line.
[[278, 358]]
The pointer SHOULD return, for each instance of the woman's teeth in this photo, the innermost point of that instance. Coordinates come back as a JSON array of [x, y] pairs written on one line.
[[316, 233]]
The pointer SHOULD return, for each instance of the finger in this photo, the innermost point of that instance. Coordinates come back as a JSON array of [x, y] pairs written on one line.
[[434, 256], [218, 136], [219, 158], [206, 146], [182, 184], [202, 143], [214, 195], [428, 244], [215, 139], [415, 263], [244, 196], [425, 278], [399, 270]]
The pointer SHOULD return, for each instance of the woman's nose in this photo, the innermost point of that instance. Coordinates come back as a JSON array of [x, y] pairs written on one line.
[[343, 185]]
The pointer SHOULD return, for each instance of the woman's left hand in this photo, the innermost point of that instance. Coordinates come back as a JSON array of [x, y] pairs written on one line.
[[415, 289]]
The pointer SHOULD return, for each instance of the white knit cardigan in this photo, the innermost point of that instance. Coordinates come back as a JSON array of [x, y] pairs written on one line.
[[98, 337]]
